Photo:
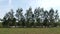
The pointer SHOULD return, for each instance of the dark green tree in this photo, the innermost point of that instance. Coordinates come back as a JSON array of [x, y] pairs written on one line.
[[5, 22], [14, 22], [29, 17], [56, 18], [51, 17], [36, 14], [19, 16], [46, 22]]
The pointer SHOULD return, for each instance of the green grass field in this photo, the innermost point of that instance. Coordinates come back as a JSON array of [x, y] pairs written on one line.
[[29, 30]]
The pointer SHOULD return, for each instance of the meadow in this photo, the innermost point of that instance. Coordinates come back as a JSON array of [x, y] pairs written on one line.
[[29, 30]]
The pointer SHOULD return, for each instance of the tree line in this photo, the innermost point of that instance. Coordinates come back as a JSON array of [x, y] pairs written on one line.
[[37, 18]]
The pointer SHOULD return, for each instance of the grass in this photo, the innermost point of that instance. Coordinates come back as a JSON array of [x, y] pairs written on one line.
[[29, 30]]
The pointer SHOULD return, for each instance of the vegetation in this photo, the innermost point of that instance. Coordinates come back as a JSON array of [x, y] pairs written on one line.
[[37, 18], [29, 30]]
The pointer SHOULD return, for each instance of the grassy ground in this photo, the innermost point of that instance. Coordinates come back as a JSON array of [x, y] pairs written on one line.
[[29, 30]]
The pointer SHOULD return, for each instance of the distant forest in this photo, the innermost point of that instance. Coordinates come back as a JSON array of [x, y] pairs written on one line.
[[37, 18]]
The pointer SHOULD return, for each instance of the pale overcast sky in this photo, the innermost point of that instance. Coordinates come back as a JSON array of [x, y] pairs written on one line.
[[6, 5]]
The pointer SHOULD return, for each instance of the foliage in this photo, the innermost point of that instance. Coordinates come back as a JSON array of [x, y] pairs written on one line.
[[38, 18]]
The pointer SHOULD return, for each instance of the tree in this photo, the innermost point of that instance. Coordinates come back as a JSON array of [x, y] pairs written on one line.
[[19, 16], [36, 14], [14, 22], [56, 18], [23, 21], [29, 17], [46, 22], [51, 17], [37, 18], [41, 15], [9, 17], [5, 22], [39, 12]]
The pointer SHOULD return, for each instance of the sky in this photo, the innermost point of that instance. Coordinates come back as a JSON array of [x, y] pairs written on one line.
[[6, 5]]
